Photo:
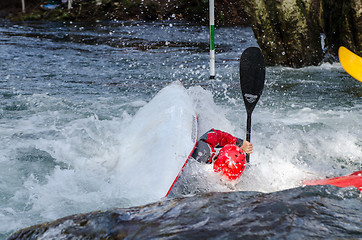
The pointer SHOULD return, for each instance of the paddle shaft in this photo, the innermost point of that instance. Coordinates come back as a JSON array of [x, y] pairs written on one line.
[[248, 132]]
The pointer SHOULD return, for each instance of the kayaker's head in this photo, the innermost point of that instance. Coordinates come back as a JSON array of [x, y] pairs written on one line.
[[230, 162]]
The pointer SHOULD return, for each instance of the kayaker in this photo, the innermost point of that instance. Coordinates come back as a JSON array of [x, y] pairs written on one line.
[[230, 160]]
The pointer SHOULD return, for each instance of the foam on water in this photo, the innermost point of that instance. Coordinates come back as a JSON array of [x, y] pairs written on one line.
[[289, 146], [65, 164], [57, 163]]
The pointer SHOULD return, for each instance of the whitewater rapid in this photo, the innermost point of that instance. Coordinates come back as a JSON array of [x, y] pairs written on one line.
[[67, 110]]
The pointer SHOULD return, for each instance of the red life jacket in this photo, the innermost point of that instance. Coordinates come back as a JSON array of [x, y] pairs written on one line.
[[214, 139]]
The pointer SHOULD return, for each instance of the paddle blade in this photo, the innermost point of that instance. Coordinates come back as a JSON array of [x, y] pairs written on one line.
[[351, 62], [252, 76]]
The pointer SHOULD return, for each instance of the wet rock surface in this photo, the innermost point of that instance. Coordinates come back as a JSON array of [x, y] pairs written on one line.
[[310, 212]]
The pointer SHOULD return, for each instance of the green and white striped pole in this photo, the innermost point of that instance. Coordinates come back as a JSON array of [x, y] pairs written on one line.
[[212, 43]]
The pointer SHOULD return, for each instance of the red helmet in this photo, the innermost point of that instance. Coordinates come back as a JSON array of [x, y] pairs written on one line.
[[231, 162]]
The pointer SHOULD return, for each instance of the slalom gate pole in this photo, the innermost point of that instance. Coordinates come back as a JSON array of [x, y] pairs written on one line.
[[212, 45], [23, 5]]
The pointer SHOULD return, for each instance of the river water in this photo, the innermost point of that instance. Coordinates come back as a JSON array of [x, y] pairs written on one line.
[[69, 90]]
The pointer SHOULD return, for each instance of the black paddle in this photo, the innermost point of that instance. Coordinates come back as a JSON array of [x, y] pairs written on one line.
[[252, 78]]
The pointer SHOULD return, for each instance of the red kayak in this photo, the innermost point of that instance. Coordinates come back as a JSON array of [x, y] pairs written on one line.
[[355, 179]]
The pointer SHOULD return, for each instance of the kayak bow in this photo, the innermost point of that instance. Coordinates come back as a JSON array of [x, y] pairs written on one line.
[[355, 179], [351, 62]]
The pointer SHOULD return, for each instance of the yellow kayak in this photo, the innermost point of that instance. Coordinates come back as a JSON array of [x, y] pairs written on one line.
[[351, 62]]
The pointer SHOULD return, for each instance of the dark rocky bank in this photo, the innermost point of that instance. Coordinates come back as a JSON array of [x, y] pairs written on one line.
[[195, 11], [289, 32]]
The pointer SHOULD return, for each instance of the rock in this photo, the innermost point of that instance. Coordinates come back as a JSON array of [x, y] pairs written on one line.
[[341, 23], [286, 32], [289, 31], [227, 215]]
